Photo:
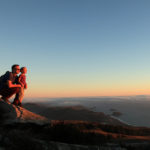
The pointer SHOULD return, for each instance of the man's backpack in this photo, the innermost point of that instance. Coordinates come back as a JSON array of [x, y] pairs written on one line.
[[4, 77]]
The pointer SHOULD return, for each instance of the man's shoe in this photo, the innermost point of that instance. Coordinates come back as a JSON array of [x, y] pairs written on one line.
[[20, 105], [15, 103], [6, 100]]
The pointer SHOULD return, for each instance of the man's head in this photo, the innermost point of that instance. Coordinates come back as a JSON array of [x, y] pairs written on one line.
[[15, 69]]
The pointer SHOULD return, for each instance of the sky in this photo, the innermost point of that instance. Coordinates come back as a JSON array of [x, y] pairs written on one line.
[[77, 48]]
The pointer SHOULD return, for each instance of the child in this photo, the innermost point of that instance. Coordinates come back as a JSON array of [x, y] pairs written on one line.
[[22, 81]]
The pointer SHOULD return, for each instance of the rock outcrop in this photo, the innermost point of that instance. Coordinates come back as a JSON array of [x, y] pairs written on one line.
[[10, 113]]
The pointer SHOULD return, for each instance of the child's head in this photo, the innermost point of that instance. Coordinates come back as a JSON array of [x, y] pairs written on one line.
[[23, 70]]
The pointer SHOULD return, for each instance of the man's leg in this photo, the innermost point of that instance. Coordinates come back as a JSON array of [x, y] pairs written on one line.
[[8, 92], [19, 97], [16, 99]]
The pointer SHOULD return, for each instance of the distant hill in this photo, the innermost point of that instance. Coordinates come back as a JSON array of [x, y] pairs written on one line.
[[72, 113]]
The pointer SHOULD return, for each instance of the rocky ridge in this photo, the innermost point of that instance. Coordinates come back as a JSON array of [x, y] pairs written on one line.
[[22, 129], [10, 113]]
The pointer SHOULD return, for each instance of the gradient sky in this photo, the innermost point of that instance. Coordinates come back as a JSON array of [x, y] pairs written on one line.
[[78, 47]]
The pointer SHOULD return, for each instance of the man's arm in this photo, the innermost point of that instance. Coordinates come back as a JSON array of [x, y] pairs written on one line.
[[10, 85]]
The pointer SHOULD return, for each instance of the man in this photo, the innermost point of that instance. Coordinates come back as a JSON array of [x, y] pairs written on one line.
[[8, 84]]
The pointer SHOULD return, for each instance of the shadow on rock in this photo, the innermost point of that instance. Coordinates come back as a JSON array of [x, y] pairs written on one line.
[[7, 112]]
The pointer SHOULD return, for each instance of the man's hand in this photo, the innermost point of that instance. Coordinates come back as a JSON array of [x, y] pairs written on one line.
[[18, 85]]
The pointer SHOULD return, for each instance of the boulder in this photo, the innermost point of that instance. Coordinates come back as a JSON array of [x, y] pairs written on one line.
[[10, 113]]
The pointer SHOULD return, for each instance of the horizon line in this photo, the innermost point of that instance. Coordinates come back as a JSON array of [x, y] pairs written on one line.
[[90, 96]]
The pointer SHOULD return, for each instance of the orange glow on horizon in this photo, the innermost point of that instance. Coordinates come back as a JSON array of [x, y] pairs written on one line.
[[86, 92], [85, 86]]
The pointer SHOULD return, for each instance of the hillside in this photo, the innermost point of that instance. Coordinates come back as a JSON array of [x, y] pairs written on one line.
[[22, 129], [72, 113], [77, 135]]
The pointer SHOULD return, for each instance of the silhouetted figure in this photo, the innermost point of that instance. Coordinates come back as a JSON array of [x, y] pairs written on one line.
[[9, 86]]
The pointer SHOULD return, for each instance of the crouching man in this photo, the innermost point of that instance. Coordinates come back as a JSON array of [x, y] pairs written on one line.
[[9, 86]]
